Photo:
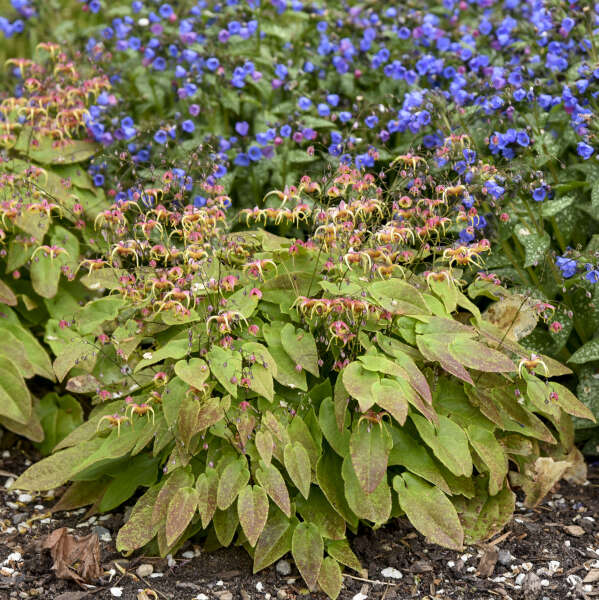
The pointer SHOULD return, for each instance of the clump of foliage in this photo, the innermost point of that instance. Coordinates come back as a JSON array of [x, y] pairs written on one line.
[[47, 210], [278, 391]]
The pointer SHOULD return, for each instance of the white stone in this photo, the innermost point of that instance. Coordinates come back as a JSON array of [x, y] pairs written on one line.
[[259, 586], [392, 573], [201, 597], [283, 567], [144, 570], [188, 554], [116, 591], [360, 596]]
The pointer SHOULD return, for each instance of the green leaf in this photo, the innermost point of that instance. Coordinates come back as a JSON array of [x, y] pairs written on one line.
[[376, 506], [286, 374], [15, 400], [330, 578], [78, 354], [414, 456], [225, 524], [297, 463], [398, 297], [551, 208], [429, 510], [176, 348], [194, 372], [59, 415], [318, 510], [45, 274], [225, 365], [275, 539], [327, 474], [233, 479], [586, 353], [252, 509], [369, 447], [307, 549], [569, 403], [339, 440], [359, 382], [175, 481], [301, 347], [448, 442], [270, 478], [141, 471], [180, 512]]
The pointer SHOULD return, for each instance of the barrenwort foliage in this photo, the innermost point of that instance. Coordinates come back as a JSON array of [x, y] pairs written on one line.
[[275, 392]]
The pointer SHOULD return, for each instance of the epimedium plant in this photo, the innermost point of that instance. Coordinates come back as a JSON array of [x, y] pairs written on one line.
[[47, 210], [278, 391]]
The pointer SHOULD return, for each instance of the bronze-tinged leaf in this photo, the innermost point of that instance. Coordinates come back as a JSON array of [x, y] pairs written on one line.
[[297, 463], [537, 484], [429, 510], [275, 539], [207, 486], [7, 296], [330, 578], [515, 315], [475, 355], [389, 397], [338, 439], [177, 480], [54, 471], [180, 512], [358, 382], [483, 516], [233, 479], [252, 509], [491, 453], [264, 445], [369, 447], [375, 507], [269, 477], [570, 403], [435, 348], [138, 531], [341, 552], [307, 548], [319, 511], [76, 558]]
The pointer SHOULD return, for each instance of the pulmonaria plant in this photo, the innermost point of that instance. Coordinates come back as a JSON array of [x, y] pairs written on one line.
[[47, 211], [280, 391]]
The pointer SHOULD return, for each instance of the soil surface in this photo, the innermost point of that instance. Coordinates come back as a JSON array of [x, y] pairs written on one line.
[[548, 553]]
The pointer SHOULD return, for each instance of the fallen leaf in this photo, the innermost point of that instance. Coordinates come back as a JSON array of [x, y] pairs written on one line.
[[575, 530], [421, 566], [486, 565], [592, 576], [76, 558]]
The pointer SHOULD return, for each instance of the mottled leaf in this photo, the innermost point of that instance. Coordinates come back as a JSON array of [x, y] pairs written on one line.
[[307, 548], [252, 509], [297, 463]]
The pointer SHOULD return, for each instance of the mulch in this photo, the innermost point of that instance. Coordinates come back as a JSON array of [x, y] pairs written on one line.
[[550, 552]]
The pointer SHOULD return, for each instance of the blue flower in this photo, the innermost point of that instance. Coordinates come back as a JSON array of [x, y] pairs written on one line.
[[188, 126], [241, 160], [199, 201], [522, 138], [254, 153], [539, 194], [333, 99], [285, 131], [567, 266], [584, 150], [323, 109], [98, 180], [304, 103], [371, 121], [160, 136], [592, 274], [344, 116], [242, 128]]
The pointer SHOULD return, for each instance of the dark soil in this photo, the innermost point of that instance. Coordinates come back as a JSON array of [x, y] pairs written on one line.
[[539, 555]]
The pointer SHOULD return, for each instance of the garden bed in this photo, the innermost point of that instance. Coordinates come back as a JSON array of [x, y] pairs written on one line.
[[548, 552]]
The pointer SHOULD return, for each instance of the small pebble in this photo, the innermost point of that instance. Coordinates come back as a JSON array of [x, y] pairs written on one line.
[[360, 596], [201, 597], [144, 570], [281, 594], [283, 568], [391, 573], [505, 558], [116, 591], [260, 586], [25, 498]]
